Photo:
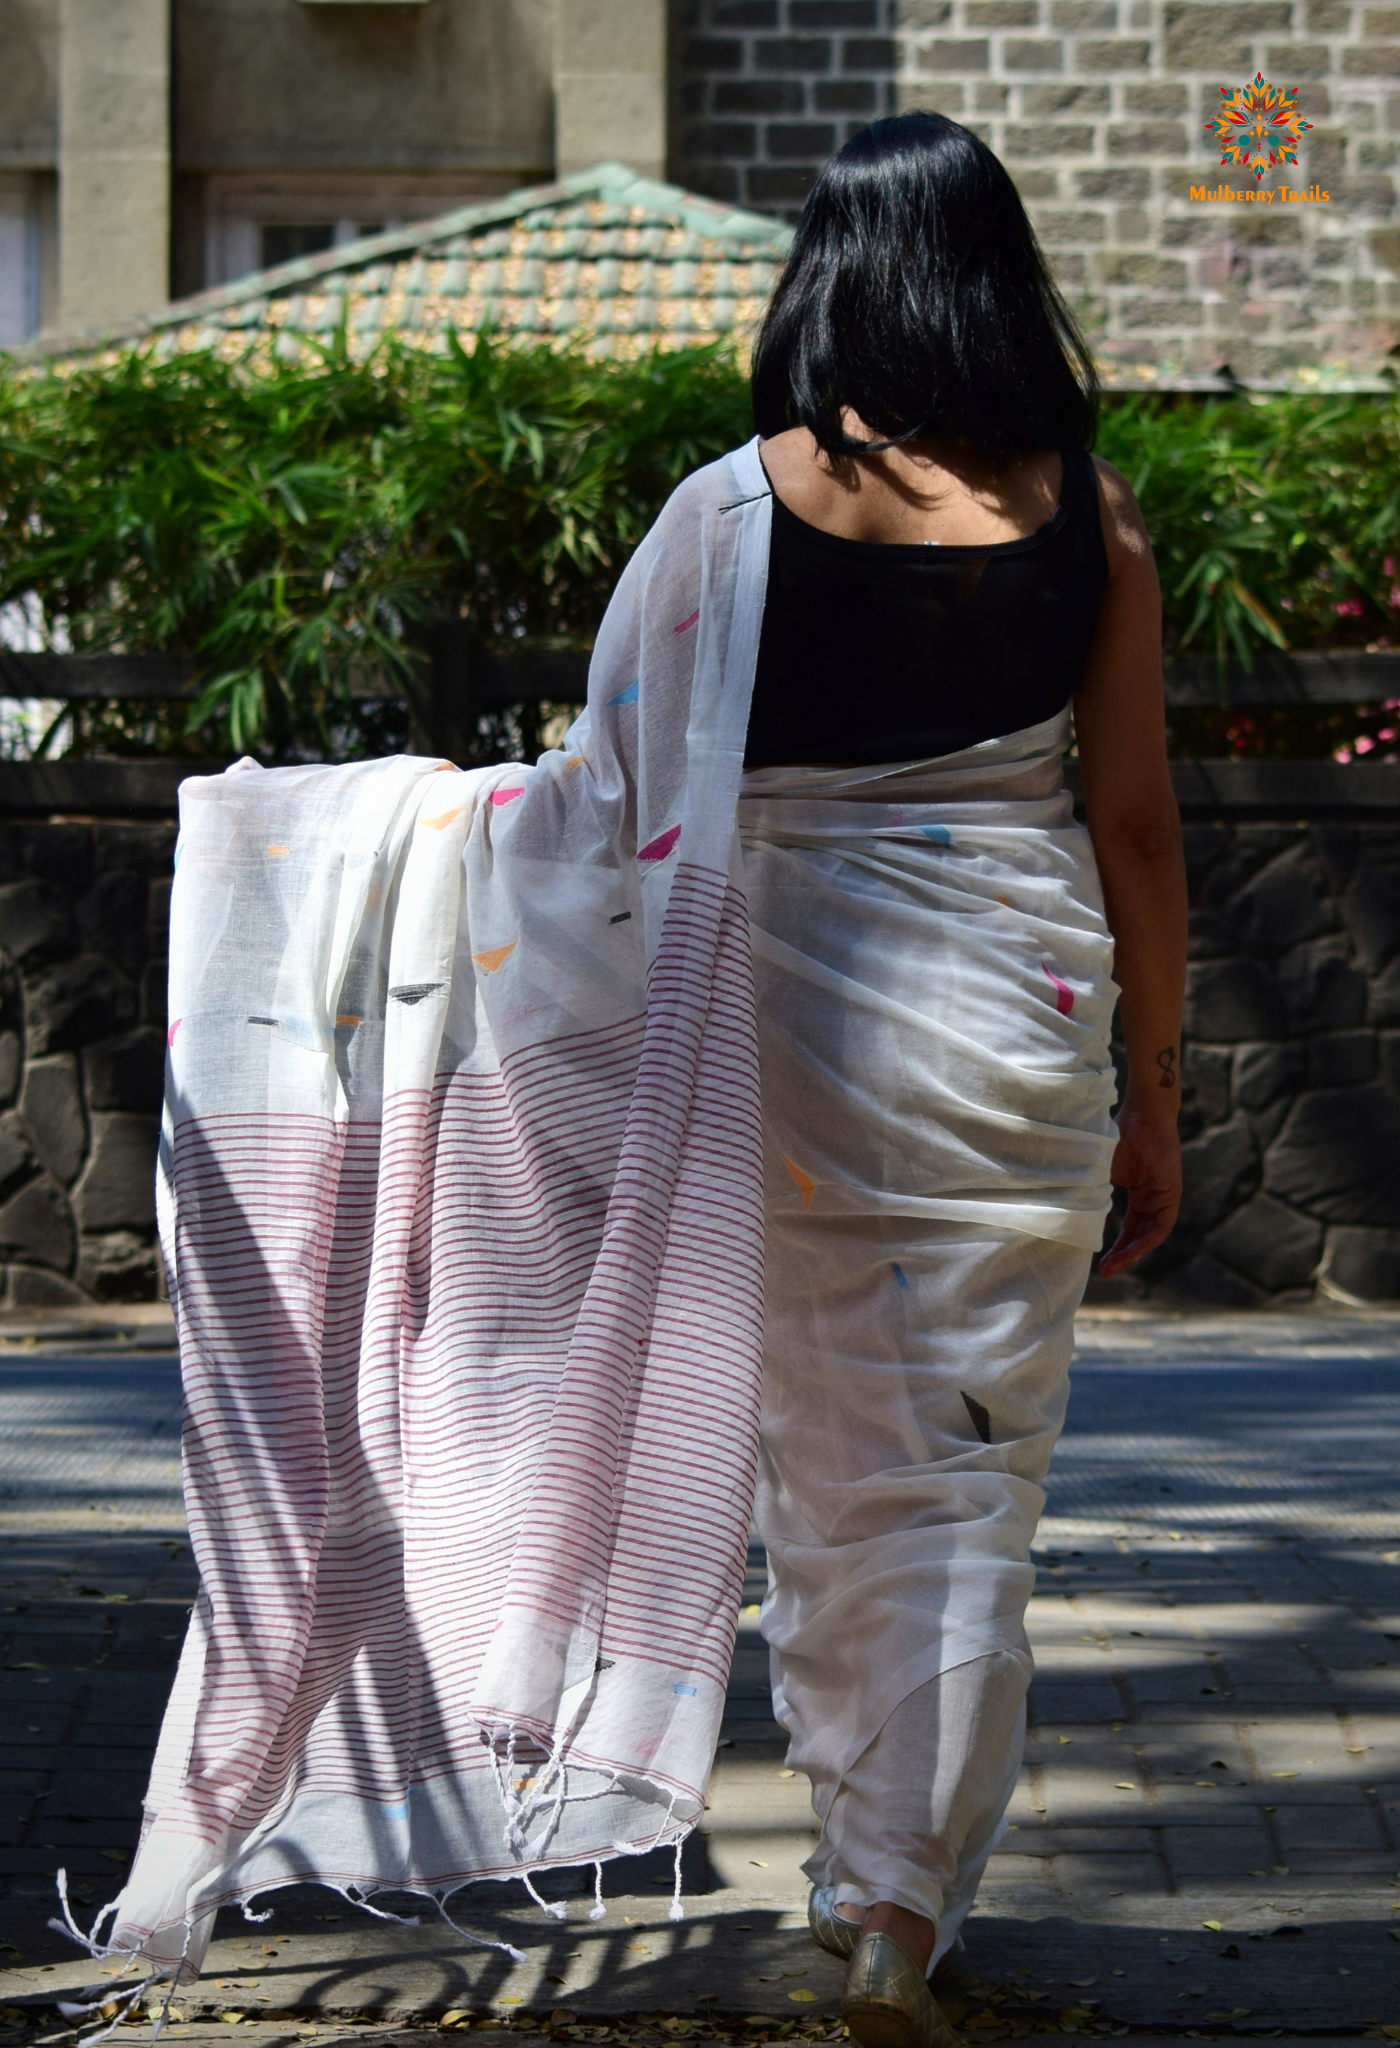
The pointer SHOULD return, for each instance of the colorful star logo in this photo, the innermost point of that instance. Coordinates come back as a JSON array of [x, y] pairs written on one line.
[[1259, 125]]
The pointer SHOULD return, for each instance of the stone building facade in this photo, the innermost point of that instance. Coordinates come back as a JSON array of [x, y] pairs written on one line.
[[1099, 108], [152, 148], [156, 148]]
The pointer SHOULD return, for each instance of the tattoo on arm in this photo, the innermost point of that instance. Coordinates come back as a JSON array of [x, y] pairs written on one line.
[[1166, 1060]]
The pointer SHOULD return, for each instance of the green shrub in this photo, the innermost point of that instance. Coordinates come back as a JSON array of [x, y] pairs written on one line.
[[293, 529], [1275, 520]]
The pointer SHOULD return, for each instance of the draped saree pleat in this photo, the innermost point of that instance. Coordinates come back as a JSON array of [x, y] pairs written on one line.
[[934, 991]]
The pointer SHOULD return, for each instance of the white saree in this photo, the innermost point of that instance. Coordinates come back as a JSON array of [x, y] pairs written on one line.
[[462, 1198]]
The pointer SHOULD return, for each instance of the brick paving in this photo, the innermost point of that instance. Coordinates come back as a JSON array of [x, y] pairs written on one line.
[[1205, 1840]]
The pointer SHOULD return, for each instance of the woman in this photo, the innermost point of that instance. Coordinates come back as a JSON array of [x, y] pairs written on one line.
[[949, 571], [468, 1151]]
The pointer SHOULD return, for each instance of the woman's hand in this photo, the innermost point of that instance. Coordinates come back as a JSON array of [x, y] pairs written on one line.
[[1147, 1162]]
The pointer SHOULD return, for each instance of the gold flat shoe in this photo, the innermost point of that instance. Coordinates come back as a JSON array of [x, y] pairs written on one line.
[[831, 1930], [887, 2002]]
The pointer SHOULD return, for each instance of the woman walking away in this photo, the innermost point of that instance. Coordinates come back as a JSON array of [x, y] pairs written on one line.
[[475, 1133], [934, 940]]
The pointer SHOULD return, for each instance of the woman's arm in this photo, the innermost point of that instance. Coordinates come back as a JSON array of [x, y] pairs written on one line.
[[1132, 817]]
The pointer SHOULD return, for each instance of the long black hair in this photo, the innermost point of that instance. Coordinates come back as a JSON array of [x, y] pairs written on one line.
[[917, 295]]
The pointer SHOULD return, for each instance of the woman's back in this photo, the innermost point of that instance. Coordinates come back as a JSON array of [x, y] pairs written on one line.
[[918, 605]]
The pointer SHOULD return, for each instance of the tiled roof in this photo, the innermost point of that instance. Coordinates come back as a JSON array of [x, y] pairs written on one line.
[[616, 261]]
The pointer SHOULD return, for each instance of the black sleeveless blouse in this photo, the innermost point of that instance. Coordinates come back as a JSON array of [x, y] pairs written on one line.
[[885, 651]]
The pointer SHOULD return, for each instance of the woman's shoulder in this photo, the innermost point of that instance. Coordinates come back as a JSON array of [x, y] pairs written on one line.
[[1125, 534]]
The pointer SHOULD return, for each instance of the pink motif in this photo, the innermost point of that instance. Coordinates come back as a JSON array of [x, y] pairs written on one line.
[[1064, 994], [659, 848], [172, 1029], [505, 796], [686, 624]]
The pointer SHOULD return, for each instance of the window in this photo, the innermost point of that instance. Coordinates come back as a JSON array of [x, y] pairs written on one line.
[[19, 265], [284, 241]]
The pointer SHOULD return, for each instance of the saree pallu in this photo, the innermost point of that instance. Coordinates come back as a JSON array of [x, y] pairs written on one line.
[[460, 1199], [934, 998]]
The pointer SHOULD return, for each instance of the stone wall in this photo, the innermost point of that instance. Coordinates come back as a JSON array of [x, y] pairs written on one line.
[[1290, 1068], [1098, 108], [84, 908], [1290, 1065]]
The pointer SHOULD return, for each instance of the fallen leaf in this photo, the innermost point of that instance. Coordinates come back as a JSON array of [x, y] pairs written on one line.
[[1213, 1925], [1083, 1983], [803, 1997], [231, 2019], [1124, 1785], [757, 1863], [787, 1774], [450, 2019], [1065, 1739], [1285, 1774]]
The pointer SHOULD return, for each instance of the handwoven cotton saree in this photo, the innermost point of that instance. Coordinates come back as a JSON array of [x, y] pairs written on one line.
[[935, 997], [464, 1183], [462, 1209]]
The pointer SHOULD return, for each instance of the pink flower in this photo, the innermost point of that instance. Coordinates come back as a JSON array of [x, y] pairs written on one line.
[[1394, 599], [1287, 603], [1364, 744], [1349, 608], [1342, 754], [1388, 566], [1387, 732]]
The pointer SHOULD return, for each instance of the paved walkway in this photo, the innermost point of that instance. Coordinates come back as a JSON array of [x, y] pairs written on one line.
[[1206, 1837]]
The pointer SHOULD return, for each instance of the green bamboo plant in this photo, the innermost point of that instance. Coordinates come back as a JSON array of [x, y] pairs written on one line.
[[295, 529]]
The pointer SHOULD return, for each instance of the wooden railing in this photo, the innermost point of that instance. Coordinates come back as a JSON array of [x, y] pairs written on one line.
[[461, 679]]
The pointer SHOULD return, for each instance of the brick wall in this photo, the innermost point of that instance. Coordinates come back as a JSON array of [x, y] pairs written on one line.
[[1098, 108]]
